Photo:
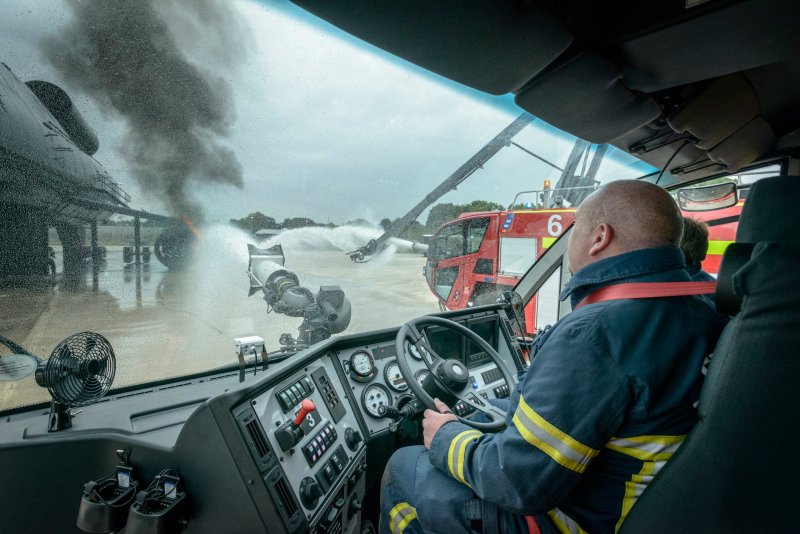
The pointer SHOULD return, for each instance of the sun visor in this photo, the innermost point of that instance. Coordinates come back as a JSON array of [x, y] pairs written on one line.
[[585, 98], [717, 111], [753, 140], [494, 47]]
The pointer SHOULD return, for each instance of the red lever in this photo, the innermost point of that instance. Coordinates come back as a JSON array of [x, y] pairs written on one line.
[[306, 407]]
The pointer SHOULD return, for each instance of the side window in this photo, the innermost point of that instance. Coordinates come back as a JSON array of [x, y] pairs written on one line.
[[517, 254], [444, 280], [475, 233], [450, 242]]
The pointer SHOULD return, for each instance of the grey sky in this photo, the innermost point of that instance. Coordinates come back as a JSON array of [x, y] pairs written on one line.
[[326, 128]]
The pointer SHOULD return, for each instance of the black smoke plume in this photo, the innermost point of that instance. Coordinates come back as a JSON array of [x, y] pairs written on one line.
[[124, 55]]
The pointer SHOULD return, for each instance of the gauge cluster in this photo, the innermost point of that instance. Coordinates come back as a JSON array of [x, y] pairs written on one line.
[[375, 379]]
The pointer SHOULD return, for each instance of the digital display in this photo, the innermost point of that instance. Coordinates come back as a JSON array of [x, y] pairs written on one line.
[[446, 343], [450, 344], [486, 330], [384, 352]]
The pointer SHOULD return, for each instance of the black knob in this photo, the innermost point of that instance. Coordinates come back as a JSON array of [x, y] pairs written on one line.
[[310, 492], [354, 508], [352, 438]]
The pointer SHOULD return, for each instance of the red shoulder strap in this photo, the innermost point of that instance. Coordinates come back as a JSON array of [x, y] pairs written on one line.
[[645, 290]]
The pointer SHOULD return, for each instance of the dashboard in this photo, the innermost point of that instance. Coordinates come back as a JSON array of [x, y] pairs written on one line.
[[286, 450]]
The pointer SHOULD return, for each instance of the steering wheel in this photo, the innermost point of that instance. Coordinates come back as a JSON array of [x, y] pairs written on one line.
[[450, 376]]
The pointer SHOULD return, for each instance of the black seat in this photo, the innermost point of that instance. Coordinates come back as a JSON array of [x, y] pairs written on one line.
[[738, 470]]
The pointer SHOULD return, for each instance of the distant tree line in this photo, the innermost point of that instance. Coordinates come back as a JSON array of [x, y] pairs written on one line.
[[258, 221]]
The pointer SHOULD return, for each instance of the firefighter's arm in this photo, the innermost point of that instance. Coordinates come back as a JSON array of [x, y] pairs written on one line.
[[571, 401]]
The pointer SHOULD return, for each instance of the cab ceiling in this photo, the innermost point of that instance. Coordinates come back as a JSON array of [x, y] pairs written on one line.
[[719, 80]]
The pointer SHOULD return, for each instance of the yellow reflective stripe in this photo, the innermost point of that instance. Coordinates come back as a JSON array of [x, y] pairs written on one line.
[[635, 486], [564, 523], [647, 448], [548, 241], [718, 247], [462, 452], [547, 448], [662, 439], [457, 452], [405, 513], [412, 515], [559, 446], [566, 439]]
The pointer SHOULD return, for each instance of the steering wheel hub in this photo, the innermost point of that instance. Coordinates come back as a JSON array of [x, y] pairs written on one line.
[[453, 374]]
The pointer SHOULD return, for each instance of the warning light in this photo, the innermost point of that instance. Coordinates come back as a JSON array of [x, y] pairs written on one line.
[[547, 184]]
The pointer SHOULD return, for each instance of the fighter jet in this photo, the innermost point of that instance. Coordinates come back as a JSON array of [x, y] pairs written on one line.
[[48, 177]]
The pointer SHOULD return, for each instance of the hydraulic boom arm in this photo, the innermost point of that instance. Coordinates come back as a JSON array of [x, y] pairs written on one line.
[[462, 173]]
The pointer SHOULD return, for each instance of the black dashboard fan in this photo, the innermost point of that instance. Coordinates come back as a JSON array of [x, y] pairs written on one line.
[[79, 371]]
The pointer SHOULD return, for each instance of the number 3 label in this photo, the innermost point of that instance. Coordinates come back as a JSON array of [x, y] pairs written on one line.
[[554, 225]]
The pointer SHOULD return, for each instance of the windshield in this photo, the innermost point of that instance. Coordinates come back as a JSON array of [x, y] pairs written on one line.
[[178, 133]]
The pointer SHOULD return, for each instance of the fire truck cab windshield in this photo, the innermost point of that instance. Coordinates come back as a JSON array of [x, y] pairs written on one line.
[[245, 244]]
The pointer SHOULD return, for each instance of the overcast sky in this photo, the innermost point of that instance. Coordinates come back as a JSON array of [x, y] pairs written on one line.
[[326, 127]]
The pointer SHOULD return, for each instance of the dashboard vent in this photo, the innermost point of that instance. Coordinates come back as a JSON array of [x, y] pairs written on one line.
[[253, 434], [259, 440], [285, 497]]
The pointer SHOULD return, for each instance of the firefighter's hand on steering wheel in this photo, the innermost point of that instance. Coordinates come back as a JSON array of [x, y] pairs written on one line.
[[434, 420]]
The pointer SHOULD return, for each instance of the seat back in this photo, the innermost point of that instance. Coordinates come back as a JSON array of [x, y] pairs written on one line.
[[737, 470]]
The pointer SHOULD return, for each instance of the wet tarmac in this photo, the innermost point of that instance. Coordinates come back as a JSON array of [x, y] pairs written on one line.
[[164, 324]]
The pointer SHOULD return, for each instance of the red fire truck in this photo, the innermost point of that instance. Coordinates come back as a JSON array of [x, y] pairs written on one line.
[[474, 258]]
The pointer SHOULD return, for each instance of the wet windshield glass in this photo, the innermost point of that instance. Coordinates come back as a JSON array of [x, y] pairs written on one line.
[[217, 125]]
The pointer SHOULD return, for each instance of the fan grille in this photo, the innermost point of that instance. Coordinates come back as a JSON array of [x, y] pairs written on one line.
[[80, 369]]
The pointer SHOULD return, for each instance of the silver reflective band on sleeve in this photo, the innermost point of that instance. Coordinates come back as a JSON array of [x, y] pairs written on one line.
[[563, 523], [400, 516], [636, 486], [653, 451], [558, 445], [647, 448], [457, 453]]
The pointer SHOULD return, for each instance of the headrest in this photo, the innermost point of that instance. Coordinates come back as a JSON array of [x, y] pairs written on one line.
[[770, 212], [736, 255]]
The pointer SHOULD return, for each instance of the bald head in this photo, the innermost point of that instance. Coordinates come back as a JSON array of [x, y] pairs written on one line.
[[621, 217]]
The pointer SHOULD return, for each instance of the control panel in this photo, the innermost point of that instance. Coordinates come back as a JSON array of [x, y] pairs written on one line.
[[307, 439]]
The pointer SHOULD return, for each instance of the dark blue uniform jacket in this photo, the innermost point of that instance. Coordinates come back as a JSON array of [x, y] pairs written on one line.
[[607, 400]]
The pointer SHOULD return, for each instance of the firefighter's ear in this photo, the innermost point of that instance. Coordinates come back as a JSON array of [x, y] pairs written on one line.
[[601, 238]]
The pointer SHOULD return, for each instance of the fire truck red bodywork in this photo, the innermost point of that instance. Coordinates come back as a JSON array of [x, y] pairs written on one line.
[[474, 258]]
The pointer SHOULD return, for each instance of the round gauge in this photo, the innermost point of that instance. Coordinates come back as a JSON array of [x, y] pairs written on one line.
[[362, 366], [412, 350], [421, 375], [394, 379], [374, 396]]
